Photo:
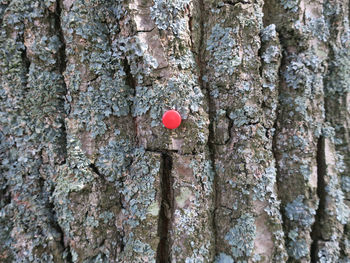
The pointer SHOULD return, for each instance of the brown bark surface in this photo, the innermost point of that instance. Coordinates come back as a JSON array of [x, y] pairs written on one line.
[[258, 170]]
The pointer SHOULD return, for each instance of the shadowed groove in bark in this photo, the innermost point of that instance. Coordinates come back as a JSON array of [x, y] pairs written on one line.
[[334, 103], [61, 65], [166, 209], [96, 171], [5, 195], [235, 2], [268, 18], [3, 8], [62, 52], [230, 126], [316, 234], [131, 82], [26, 63], [60, 231], [211, 109], [274, 139]]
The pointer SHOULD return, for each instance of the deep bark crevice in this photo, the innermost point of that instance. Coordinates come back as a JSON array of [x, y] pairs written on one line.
[[190, 24], [200, 59], [275, 150], [132, 83], [235, 2], [166, 209], [230, 126], [61, 67], [96, 171], [5, 195], [316, 233], [145, 31], [333, 109], [26, 64], [3, 8], [62, 59], [58, 228], [62, 64], [269, 16], [162, 151], [130, 80]]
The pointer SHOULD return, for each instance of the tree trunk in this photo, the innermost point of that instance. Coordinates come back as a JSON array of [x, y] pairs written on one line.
[[258, 171]]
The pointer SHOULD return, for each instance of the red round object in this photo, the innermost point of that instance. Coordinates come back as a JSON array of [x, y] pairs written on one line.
[[171, 119]]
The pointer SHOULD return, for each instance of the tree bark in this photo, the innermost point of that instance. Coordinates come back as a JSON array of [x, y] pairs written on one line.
[[258, 171]]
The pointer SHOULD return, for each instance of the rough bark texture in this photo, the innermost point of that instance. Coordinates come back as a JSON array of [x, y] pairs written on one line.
[[258, 171]]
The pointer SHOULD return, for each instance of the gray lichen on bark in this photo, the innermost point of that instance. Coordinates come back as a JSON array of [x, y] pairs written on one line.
[[258, 171]]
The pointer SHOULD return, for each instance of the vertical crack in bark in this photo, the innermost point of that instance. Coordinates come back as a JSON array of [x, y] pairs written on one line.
[[5, 194], [131, 82], [166, 209], [62, 60], [316, 233], [26, 64], [3, 8], [211, 110], [274, 139], [61, 66], [270, 11], [96, 171], [334, 102], [190, 23], [230, 126], [58, 228]]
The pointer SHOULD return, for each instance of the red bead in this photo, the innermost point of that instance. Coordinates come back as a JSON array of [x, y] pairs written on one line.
[[171, 119]]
